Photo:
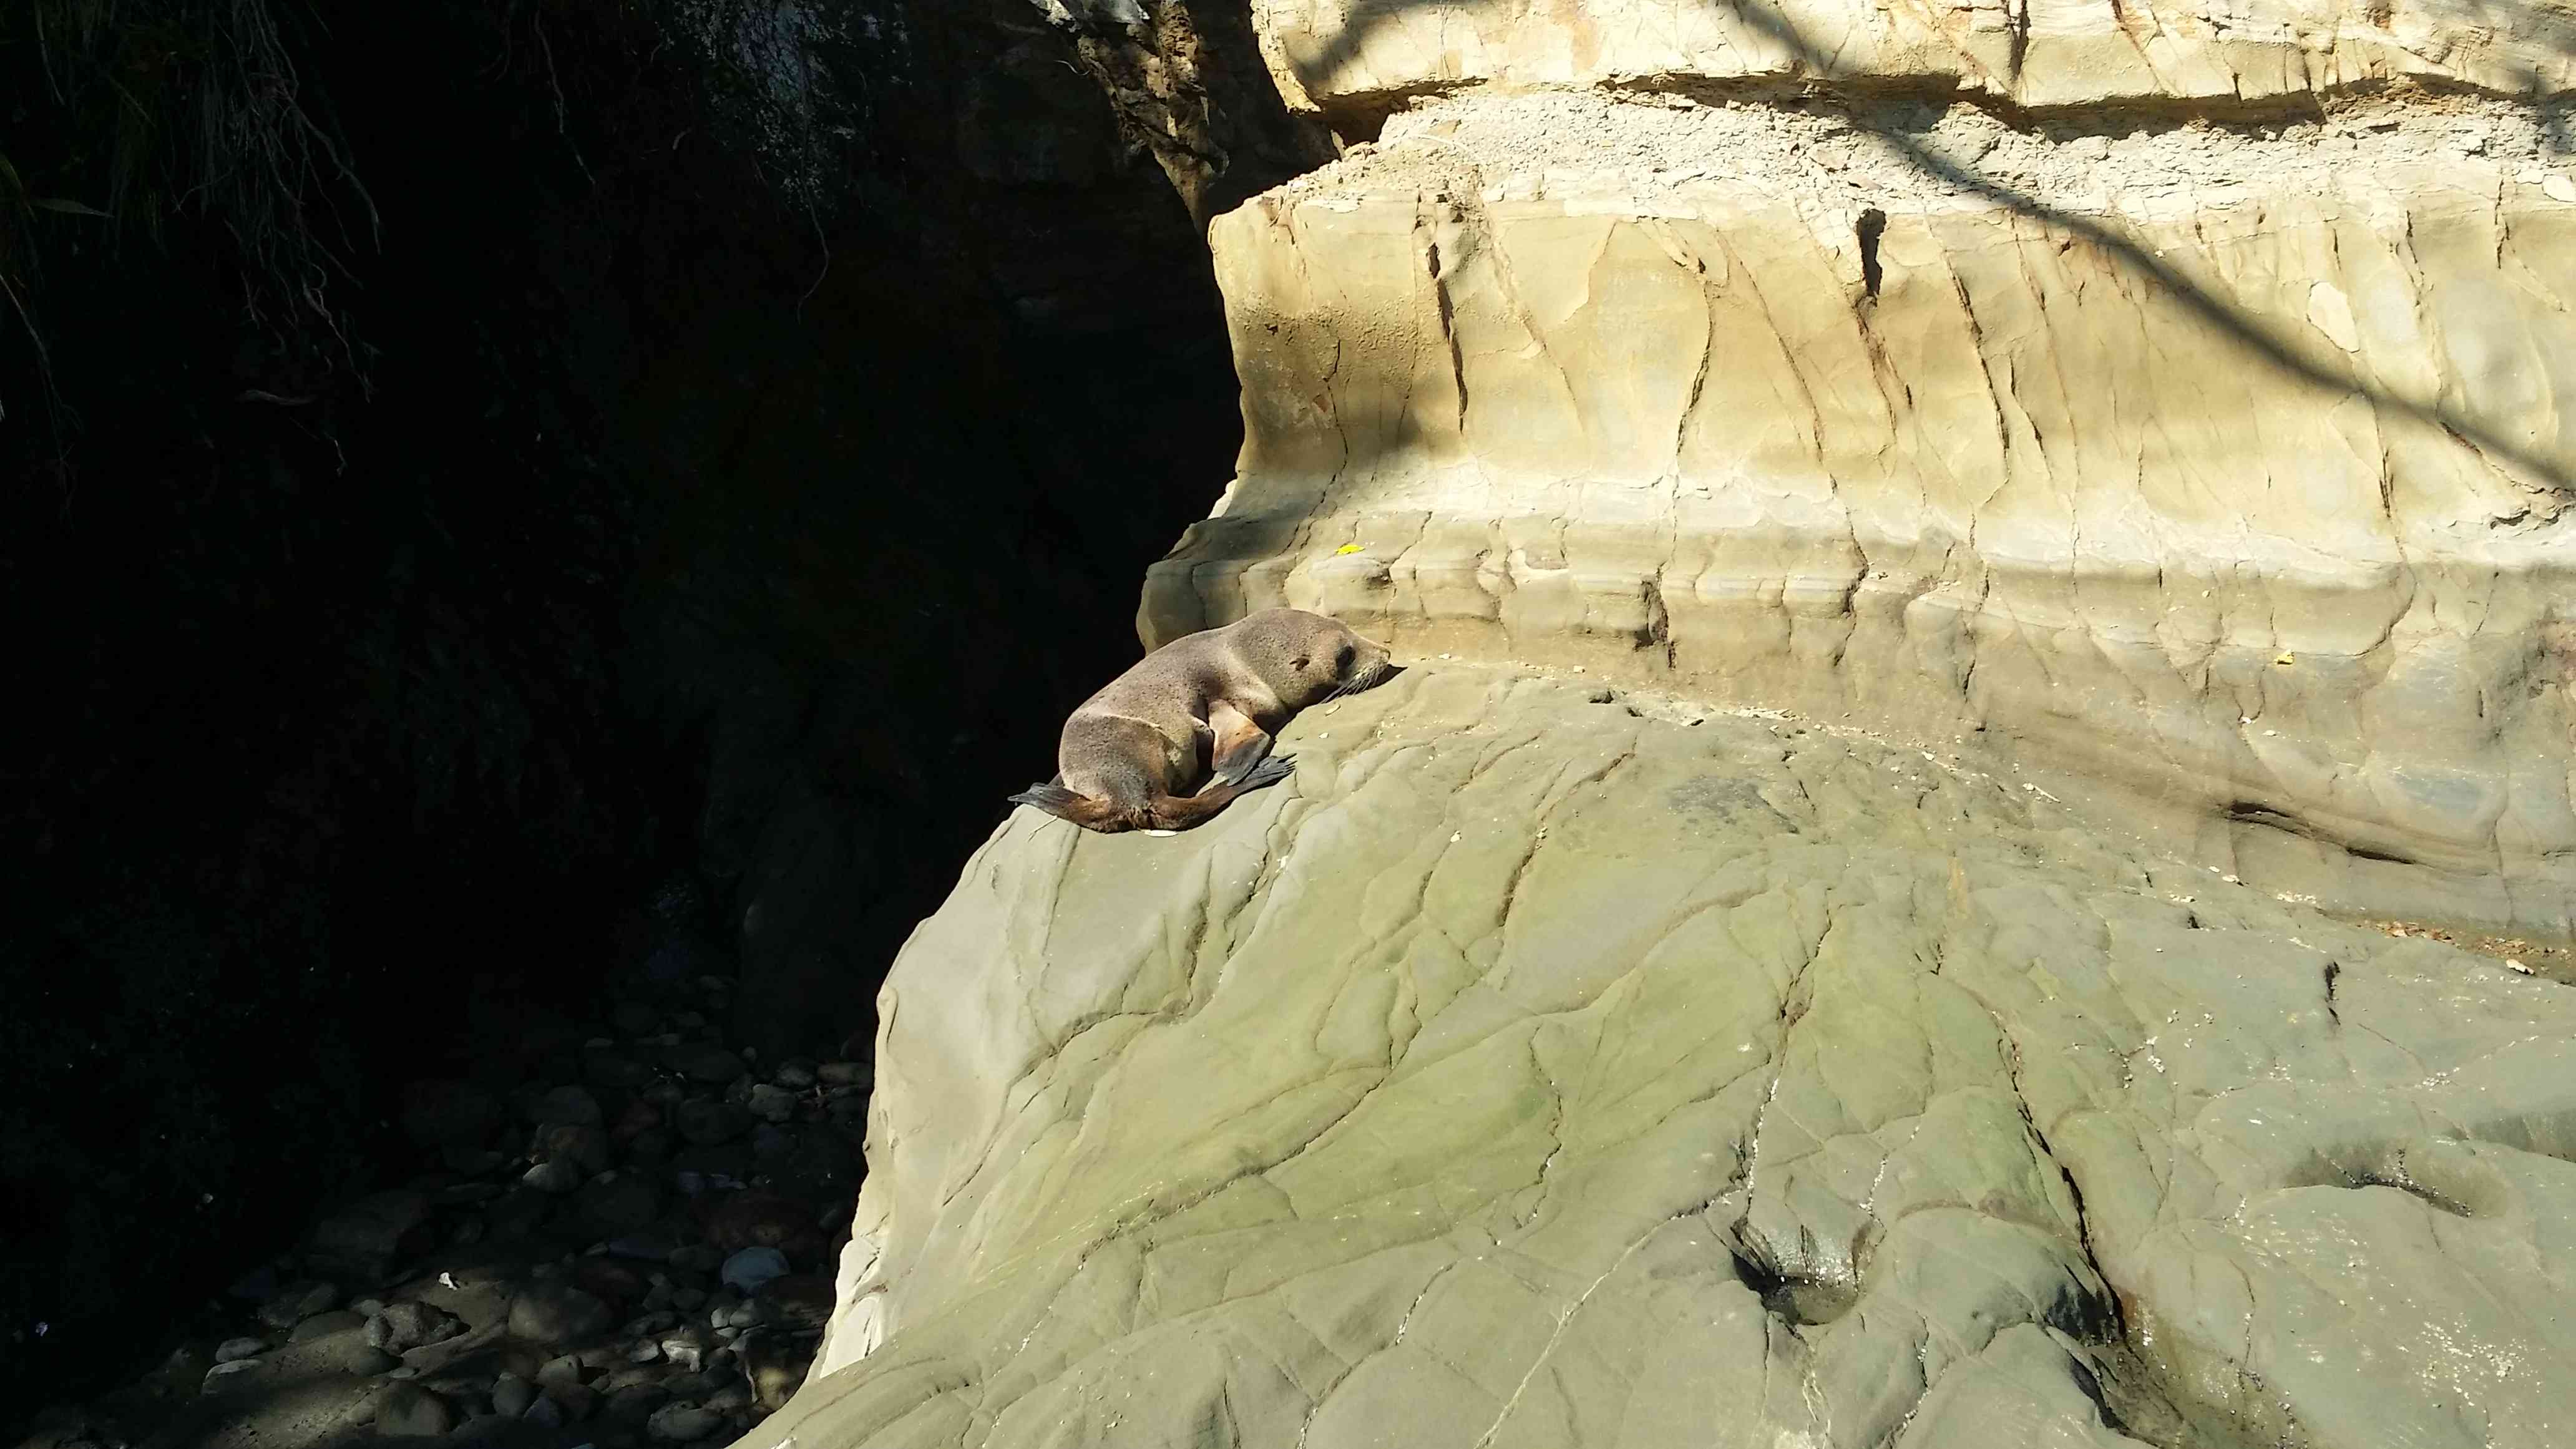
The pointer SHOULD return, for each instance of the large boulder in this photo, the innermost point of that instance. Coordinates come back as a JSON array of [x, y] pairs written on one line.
[[1543, 1065]]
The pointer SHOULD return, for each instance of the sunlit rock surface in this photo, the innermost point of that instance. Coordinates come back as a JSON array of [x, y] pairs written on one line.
[[1341, 54], [1545, 1066], [2224, 472]]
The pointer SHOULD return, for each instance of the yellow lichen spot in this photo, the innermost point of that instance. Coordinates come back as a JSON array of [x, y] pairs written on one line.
[[1348, 548], [2285, 658]]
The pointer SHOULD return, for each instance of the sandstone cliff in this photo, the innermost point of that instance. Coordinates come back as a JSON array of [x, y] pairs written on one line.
[[1948, 554]]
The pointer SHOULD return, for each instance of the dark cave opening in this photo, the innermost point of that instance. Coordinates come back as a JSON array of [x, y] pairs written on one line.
[[699, 518]]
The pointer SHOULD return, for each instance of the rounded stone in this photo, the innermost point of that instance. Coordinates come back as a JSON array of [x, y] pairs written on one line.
[[558, 1313]]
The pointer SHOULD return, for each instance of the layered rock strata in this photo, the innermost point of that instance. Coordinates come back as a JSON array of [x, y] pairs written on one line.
[[1543, 1067], [2223, 471]]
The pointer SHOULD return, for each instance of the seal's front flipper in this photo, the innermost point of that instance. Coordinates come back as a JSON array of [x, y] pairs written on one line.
[[1240, 744]]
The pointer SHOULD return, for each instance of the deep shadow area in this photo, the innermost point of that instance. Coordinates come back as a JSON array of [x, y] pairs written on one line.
[[717, 456]]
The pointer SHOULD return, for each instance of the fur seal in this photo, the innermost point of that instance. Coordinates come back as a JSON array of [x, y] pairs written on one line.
[[1201, 708]]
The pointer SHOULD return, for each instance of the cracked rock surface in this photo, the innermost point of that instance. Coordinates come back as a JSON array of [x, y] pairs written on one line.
[[1547, 1066], [2223, 470]]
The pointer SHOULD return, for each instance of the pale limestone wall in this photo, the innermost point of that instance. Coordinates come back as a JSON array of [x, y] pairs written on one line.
[[2227, 474], [2035, 53]]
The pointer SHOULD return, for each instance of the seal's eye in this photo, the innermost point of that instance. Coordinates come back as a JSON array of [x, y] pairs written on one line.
[[1342, 664]]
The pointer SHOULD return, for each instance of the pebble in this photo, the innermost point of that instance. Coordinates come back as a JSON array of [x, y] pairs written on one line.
[[562, 1372], [795, 1073], [558, 1313], [634, 1018], [750, 1269], [218, 1376], [323, 1325], [645, 1351], [683, 1423], [402, 1327], [705, 1063], [234, 1350], [633, 1401], [842, 1074], [584, 1144], [772, 1104], [513, 1395], [297, 1302], [410, 1411], [707, 1123], [543, 1412], [554, 1175], [572, 1106], [769, 1141]]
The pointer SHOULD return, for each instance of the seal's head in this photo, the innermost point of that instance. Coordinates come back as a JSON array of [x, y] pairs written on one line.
[[1308, 658]]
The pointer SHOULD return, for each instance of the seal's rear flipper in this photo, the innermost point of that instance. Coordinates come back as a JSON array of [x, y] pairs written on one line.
[[1082, 810], [1180, 812]]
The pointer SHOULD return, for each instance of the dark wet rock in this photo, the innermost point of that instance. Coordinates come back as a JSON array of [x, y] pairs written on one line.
[[544, 1412], [653, 1144], [519, 1212], [795, 1074], [823, 1165], [366, 1238], [704, 1123], [653, 1244], [512, 1395], [257, 1285], [229, 1374], [357, 1358], [683, 1423], [770, 1143], [633, 1401], [721, 1167], [410, 1411], [561, 1371], [619, 1071], [555, 1176], [296, 1302], [565, 1106], [797, 1301], [578, 1400], [746, 1271], [233, 1350], [772, 1104], [558, 1313], [617, 1203], [402, 1327], [634, 1018], [487, 1429], [449, 1355], [585, 1145], [704, 1062], [776, 1363], [758, 1217], [324, 1325], [842, 1074], [637, 1116], [609, 1280], [449, 1113]]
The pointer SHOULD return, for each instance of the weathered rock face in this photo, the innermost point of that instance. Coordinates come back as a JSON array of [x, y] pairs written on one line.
[[2154, 471], [2225, 469], [1537, 1070], [1344, 53]]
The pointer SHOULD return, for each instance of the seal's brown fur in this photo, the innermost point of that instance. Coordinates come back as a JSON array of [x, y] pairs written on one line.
[[1201, 708]]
